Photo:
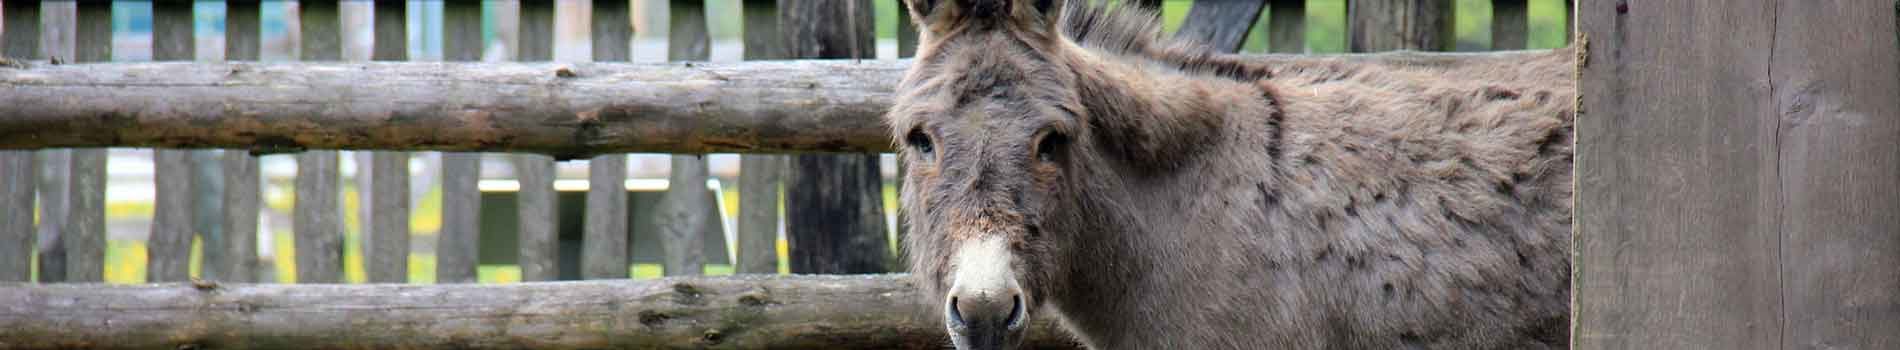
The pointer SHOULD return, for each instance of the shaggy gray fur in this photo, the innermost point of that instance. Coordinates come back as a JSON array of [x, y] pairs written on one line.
[[1157, 196]]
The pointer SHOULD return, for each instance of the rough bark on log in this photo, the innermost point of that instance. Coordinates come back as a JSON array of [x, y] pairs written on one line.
[[737, 312], [568, 110]]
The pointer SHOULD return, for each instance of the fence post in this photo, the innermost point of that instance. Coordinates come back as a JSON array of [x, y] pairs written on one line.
[[173, 210], [1386, 25], [1286, 26], [1509, 26], [681, 213], [85, 236], [604, 255], [538, 208], [317, 221], [834, 203], [459, 241], [1745, 202], [242, 190], [55, 166], [1222, 25], [759, 174], [384, 222], [18, 175]]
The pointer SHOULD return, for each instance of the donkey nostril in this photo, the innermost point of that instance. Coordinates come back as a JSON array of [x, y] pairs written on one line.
[[956, 317], [1015, 319]]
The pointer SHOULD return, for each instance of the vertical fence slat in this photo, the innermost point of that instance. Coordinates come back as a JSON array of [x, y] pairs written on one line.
[[906, 31], [1509, 25], [1386, 25], [55, 166], [18, 175], [386, 225], [242, 190], [834, 203], [1222, 25], [85, 236], [681, 215], [1286, 26], [317, 220], [604, 255], [456, 249], [169, 250], [1570, 21], [207, 217], [538, 207], [759, 174]]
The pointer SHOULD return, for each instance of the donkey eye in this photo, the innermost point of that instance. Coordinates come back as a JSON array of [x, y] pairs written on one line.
[[919, 141], [1047, 148]]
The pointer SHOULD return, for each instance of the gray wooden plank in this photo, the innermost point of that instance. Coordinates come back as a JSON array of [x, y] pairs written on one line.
[[17, 183], [20, 32], [456, 250], [84, 240], [612, 31], [243, 192], [321, 29], [241, 26], [759, 174], [906, 31], [391, 25], [834, 203], [57, 30], [207, 216], [1834, 76], [605, 233], [681, 215], [604, 237], [1386, 25], [55, 177], [1286, 26], [1510, 26], [169, 252], [1668, 256], [537, 32], [387, 230], [316, 218], [1222, 24]]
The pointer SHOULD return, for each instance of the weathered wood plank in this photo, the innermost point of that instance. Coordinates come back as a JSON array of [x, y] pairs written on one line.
[[207, 212], [834, 203], [457, 246], [20, 30], [1666, 256], [906, 32], [605, 255], [321, 27], [243, 192], [173, 223], [743, 312], [759, 174], [241, 27], [85, 239], [55, 179], [1386, 25], [1510, 26], [1286, 26], [1222, 24], [316, 220], [386, 226], [681, 216], [537, 208], [17, 175], [1834, 74], [604, 236], [752, 107], [1570, 21]]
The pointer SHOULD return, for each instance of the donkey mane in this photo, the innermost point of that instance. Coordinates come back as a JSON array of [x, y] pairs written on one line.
[[1133, 31]]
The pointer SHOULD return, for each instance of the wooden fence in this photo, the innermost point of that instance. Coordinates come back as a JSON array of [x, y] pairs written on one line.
[[1755, 290]]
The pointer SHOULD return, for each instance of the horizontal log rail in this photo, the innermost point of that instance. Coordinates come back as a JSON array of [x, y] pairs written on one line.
[[568, 110], [747, 311]]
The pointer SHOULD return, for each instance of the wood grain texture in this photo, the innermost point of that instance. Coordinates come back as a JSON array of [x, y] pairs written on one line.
[[759, 174], [604, 234], [457, 245], [316, 219], [1510, 26], [1387, 25], [54, 169], [612, 31], [207, 210], [243, 192], [568, 110], [1677, 221], [736, 312], [168, 248], [1286, 26], [1222, 25], [17, 183], [682, 215], [1835, 72], [833, 203], [386, 233], [537, 208], [85, 238]]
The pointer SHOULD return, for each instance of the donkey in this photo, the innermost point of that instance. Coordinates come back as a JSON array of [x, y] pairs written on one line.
[[1065, 162]]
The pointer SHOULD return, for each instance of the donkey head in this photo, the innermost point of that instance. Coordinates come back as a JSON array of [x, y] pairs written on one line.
[[1007, 124]]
